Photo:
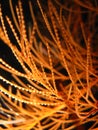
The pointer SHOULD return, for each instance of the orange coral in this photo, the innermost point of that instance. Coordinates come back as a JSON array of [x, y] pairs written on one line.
[[55, 80]]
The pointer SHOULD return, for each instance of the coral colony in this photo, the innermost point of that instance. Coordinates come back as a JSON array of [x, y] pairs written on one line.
[[49, 65]]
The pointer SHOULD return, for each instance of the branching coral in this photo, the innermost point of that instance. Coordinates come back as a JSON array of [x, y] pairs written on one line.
[[53, 80]]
